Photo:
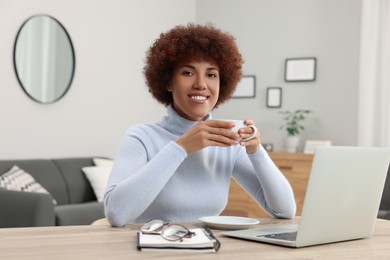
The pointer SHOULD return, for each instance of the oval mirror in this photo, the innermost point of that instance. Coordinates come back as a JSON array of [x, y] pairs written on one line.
[[44, 59]]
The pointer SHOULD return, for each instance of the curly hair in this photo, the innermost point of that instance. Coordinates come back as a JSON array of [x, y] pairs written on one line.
[[193, 43]]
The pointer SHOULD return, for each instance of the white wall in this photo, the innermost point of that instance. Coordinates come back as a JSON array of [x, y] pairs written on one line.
[[108, 93], [268, 32]]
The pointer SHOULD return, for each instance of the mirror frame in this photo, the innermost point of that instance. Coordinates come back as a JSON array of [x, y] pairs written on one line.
[[66, 89]]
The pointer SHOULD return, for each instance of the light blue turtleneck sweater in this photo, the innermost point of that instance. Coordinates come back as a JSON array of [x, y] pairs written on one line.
[[153, 177]]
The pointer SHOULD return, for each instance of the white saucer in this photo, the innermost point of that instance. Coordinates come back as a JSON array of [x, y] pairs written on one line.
[[228, 222]]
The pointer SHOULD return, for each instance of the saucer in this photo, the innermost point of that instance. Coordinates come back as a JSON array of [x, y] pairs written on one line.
[[228, 222]]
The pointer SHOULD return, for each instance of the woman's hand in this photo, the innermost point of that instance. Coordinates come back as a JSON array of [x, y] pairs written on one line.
[[208, 133], [253, 144], [217, 133]]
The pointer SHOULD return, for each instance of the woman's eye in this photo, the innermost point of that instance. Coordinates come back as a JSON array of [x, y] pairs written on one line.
[[212, 75], [187, 73]]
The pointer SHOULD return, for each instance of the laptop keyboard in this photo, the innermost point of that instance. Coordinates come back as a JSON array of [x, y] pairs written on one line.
[[289, 236]]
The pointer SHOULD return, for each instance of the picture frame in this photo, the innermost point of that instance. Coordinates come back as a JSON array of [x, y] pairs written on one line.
[[274, 97], [246, 88], [300, 69]]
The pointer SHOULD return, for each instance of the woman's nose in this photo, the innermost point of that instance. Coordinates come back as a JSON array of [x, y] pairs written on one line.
[[200, 83]]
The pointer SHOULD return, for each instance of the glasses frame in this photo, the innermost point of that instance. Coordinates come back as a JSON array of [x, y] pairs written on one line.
[[165, 227]]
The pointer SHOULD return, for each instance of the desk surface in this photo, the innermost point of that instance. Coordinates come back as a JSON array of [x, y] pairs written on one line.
[[104, 242]]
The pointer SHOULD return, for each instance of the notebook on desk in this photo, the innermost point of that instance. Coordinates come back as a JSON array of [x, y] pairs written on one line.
[[341, 202]]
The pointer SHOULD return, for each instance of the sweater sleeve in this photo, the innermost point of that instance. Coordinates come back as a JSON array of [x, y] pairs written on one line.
[[260, 177], [135, 181]]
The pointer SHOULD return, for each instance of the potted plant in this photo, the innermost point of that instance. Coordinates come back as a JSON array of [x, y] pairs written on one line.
[[293, 126]]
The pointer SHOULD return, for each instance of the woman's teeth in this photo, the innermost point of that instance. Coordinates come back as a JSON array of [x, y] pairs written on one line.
[[199, 97]]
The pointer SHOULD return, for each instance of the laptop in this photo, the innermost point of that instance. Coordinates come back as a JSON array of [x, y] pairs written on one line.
[[341, 202]]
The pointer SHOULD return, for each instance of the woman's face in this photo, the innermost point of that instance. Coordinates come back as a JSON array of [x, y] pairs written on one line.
[[195, 89]]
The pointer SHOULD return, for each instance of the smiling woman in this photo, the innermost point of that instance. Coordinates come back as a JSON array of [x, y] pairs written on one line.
[[44, 59], [179, 169]]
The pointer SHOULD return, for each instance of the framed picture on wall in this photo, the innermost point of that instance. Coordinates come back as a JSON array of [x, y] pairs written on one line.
[[300, 69], [246, 88], [274, 97]]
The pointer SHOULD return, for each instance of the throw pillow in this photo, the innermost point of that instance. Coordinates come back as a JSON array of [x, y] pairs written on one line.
[[18, 180], [98, 178], [102, 162]]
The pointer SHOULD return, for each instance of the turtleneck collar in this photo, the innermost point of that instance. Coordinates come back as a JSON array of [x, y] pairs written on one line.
[[177, 124]]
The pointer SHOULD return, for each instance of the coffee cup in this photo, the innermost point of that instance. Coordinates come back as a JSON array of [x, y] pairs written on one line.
[[240, 124]]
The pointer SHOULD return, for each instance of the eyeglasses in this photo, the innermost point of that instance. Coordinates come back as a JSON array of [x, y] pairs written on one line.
[[170, 232]]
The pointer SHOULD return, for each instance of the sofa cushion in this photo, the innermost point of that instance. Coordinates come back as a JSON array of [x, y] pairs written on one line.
[[18, 180], [45, 172], [79, 188], [78, 214], [98, 177]]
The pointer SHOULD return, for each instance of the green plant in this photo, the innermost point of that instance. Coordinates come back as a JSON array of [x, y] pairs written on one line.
[[293, 121]]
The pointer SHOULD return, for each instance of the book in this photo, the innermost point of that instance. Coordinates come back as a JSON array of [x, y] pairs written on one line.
[[203, 241]]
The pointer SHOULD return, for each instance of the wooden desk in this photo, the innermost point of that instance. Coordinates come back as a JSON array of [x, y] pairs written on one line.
[[295, 166], [105, 242]]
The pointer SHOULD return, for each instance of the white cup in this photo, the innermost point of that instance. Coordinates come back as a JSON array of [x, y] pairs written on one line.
[[240, 124]]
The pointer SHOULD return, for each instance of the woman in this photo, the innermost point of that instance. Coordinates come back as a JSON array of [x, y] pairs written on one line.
[[180, 168]]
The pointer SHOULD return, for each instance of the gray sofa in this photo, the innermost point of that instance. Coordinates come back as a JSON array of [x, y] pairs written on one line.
[[384, 208], [65, 181]]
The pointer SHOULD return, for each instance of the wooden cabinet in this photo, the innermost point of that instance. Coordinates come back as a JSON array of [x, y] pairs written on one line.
[[295, 166]]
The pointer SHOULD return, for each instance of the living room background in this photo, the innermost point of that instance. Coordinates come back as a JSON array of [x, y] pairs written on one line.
[[108, 93]]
